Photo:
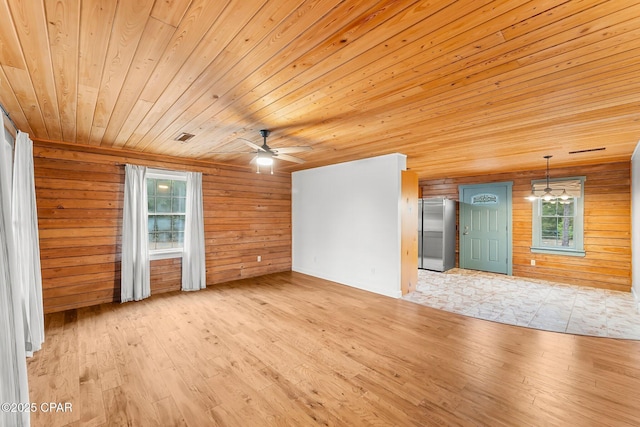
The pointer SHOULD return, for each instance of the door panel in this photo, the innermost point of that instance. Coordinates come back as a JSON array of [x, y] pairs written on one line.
[[476, 218], [494, 220], [494, 250], [485, 217], [476, 249]]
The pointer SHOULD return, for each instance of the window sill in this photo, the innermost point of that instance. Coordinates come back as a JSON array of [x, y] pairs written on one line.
[[567, 252], [165, 254]]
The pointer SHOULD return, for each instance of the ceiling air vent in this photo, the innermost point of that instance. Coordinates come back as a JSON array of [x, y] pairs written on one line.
[[587, 150], [184, 137]]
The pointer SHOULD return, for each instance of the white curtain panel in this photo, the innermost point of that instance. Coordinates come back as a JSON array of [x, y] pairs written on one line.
[[135, 280], [194, 270], [25, 231], [14, 387]]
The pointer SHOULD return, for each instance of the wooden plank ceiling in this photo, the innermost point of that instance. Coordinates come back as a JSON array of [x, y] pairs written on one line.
[[462, 87]]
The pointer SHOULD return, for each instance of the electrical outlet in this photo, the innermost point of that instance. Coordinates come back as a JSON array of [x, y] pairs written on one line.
[[533, 262], [259, 258]]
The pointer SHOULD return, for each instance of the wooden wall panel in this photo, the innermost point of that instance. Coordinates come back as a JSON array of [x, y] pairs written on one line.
[[607, 225], [166, 275], [409, 237], [79, 192]]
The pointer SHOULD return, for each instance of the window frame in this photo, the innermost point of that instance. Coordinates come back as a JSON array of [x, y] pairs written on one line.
[[578, 223], [156, 254]]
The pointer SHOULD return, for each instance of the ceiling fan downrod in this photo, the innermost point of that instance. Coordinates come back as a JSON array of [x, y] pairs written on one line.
[[264, 133]]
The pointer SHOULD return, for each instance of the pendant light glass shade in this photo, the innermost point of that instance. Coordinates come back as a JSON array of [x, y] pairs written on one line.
[[564, 195]]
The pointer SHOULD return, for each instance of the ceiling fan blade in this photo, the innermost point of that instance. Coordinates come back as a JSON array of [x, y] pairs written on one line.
[[289, 150], [251, 144], [288, 158]]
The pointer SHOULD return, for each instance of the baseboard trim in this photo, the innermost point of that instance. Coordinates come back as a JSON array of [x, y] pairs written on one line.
[[393, 293]]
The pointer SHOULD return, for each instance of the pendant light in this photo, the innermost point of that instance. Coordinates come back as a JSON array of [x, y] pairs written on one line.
[[547, 194]]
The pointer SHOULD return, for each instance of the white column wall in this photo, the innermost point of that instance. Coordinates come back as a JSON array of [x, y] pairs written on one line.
[[346, 223]]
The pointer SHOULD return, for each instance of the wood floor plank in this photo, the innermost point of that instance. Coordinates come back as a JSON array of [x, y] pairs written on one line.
[[126, 406], [288, 349], [193, 408], [169, 413], [90, 390]]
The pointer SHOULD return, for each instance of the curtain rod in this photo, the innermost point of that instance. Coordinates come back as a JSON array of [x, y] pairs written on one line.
[[8, 117]]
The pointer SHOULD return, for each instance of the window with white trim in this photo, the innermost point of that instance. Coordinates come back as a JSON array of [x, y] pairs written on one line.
[[558, 222], [166, 201]]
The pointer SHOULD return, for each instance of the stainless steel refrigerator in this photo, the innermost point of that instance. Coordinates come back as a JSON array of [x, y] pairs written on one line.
[[436, 234]]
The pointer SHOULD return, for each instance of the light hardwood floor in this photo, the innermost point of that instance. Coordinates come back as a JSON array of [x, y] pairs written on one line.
[[288, 349]]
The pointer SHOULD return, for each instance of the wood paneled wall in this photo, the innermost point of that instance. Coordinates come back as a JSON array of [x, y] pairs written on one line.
[[408, 235], [79, 192], [607, 225]]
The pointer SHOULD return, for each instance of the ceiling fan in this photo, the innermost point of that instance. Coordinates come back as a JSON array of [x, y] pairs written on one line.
[[264, 155]]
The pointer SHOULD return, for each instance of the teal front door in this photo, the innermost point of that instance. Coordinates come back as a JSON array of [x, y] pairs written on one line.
[[485, 227]]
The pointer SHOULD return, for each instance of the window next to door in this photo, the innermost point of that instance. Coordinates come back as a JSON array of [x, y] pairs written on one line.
[[558, 225]]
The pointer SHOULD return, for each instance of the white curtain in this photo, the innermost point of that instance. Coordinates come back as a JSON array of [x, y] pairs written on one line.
[[193, 257], [14, 387], [135, 280], [25, 231]]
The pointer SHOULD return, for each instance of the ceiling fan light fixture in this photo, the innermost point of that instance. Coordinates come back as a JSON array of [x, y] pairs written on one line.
[[264, 160], [264, 155]]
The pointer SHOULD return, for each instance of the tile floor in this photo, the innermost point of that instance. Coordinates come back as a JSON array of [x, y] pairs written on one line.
[[529, 302]]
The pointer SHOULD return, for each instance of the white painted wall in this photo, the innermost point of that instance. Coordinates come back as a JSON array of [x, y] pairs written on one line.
[[346, 223], [635, 224]]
